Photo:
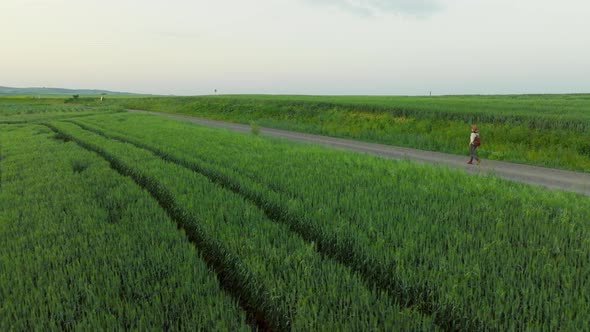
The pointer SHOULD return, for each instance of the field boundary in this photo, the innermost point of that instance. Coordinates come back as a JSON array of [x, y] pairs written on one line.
[[578, 182]]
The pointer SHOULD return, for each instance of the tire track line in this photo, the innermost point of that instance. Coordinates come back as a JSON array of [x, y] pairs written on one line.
[[341, 250]]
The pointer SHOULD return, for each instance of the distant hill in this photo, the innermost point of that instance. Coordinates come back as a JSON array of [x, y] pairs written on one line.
[[56, 91]]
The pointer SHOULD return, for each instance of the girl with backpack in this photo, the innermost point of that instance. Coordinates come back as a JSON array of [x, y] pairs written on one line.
[[473, 144]]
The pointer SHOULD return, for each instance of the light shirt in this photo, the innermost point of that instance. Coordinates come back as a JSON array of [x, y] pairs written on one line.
[[473, 136]]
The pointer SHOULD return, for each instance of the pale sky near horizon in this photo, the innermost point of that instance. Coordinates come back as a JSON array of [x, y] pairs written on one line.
[[395, 47]]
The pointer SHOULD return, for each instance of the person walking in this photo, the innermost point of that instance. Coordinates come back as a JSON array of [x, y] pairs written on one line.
[[473, 144]]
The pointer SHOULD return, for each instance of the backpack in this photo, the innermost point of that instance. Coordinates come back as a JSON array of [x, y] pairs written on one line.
[[476, 141]]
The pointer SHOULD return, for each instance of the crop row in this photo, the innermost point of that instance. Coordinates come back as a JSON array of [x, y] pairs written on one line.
[[83, 248], [472, 251], [288, 210], [280, 276]]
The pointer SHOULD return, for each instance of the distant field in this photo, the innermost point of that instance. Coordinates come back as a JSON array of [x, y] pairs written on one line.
[[15, 110], [544, 130], [273, 235], [11, 91]]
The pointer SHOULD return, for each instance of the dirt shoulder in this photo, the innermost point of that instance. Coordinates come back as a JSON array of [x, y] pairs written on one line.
[[552, 178]]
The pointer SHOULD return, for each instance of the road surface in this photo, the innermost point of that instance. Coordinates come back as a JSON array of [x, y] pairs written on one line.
[[548, 177]]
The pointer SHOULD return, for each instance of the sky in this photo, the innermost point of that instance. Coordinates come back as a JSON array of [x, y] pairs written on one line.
[[319, 47]]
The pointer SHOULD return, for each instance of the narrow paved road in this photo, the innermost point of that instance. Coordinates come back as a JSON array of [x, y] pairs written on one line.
[[553, 178]]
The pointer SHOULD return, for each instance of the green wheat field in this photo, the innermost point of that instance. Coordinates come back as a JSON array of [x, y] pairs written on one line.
[[112, 220]]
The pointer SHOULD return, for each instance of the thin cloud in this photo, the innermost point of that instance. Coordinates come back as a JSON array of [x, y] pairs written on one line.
[[418, 8]]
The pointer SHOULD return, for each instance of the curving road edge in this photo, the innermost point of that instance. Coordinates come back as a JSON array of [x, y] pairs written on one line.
[[577, 182]]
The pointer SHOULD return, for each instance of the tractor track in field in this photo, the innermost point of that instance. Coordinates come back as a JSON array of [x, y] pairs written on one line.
[[578, 182], [216, 259], [424, 304], [371, 271]]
